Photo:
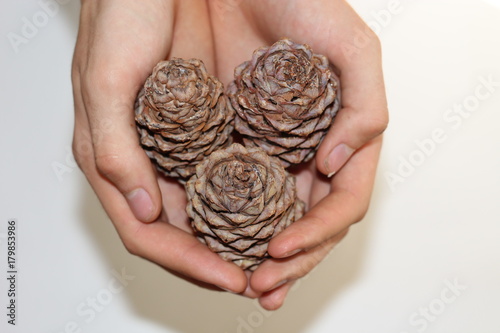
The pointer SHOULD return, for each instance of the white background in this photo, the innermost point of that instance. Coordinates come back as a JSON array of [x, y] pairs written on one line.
[[439, 225]]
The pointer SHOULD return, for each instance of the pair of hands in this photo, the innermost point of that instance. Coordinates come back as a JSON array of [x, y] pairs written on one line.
[[120, 41]]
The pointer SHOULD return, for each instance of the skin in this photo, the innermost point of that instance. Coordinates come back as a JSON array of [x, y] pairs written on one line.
[[120, 41]]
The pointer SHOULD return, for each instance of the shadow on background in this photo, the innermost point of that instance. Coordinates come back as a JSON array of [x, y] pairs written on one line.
[[179, 306]]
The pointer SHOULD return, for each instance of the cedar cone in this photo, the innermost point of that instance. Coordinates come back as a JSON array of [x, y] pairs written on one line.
[[239, 199], [285, 98], [182, 116]]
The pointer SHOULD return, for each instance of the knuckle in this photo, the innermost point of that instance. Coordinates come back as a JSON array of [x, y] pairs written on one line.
[[376, 44], [130, 238], [304, 269], [82, 152], [373, 39], [360, 212], [130, 245], [274, 304], [110, 165], [76, 153], [376, 125], [75, 73], [76, 63], [360, 203]]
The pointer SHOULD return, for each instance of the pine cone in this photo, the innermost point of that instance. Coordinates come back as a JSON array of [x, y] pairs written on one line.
[[285, 98], [182, 116], [238, 200]]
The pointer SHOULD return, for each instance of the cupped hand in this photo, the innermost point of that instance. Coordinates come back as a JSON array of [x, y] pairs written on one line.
[[350, 151], [119, 42]]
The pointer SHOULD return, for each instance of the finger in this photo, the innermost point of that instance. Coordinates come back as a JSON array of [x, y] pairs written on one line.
[[346, 204], [274, 299], [276, 272], [236, 38], [165, 244], [117, 153], [249, 292], [110, 81], [193, 34], [363, 115], [179, 251], [354, 50], [361, 119], [190, 259]]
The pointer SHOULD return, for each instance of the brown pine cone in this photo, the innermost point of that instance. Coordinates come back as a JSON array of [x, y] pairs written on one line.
[[238, 200], [285, 98], [182, 116]]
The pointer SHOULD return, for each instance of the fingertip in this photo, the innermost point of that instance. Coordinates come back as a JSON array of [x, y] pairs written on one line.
[[285, 244], [271, 303], [145, 200], [240, 286], [250, 293], [274, 299], [234, 280], [131, 172], [141, 204], [336, 158]]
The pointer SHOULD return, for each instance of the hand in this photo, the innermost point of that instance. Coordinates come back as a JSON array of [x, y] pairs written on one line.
[[351, 148], [119, 42]]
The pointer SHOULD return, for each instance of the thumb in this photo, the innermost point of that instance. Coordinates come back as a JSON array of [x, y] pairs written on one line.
[[117, 152], [363, 115]]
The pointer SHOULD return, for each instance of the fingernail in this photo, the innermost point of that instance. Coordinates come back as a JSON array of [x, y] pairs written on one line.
[[227, 290], [141, 204], [291, 253], [279, 284], [337, 158]]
